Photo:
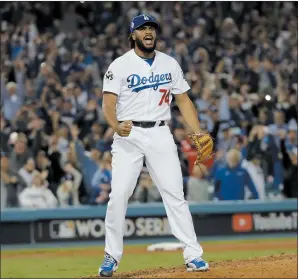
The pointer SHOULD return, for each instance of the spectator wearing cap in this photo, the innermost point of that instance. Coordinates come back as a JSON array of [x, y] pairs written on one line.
[[67, 191], [231, 180], [37, 196]]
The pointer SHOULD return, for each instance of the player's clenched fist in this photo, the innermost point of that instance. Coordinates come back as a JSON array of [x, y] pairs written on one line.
[[124, 128]]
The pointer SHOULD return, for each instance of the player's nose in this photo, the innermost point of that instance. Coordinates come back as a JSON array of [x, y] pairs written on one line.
[[148, 33], [148, 30]]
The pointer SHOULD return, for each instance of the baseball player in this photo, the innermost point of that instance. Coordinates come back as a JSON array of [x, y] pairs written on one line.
[[138, 89]]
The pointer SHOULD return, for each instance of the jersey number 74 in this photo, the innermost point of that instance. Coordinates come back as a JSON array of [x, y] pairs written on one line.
[[165, 96]]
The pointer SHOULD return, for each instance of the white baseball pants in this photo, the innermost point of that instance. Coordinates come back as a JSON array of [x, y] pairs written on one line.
[[157, 146]]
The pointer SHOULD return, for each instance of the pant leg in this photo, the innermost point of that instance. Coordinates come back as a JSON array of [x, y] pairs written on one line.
[[127, 161], [164, 167]]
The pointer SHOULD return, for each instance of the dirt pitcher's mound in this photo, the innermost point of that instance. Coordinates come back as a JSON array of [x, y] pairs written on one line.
[[278, 266]]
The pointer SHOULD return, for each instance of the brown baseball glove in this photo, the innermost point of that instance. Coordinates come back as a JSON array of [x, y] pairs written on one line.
[[204, 144]]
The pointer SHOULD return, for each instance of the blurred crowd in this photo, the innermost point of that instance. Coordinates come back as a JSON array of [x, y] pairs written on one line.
[[240, 59]]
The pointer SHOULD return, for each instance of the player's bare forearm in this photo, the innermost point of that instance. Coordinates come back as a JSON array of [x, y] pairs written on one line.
[[188, 111], [109, 109]]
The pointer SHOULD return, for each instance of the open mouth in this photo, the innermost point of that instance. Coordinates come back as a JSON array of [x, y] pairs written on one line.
[[148, 40]]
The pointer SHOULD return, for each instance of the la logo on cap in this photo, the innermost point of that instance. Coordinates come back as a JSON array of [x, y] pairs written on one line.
[[145, 17]]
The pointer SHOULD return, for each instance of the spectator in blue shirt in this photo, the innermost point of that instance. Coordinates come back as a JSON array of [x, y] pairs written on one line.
[[101, 181], [231, 180], [88, 164], [279, 128], [13, 97]]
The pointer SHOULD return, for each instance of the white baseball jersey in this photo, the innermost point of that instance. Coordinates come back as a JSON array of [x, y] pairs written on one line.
[[144, 94], [144, 91]]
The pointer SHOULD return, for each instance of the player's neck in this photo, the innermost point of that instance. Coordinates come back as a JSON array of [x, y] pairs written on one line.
[[143, 54]]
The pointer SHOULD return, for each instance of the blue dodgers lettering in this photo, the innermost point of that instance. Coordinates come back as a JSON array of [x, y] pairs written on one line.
[[153, 81]]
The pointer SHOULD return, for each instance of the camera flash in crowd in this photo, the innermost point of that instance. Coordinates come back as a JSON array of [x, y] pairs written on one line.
[[268, 97]]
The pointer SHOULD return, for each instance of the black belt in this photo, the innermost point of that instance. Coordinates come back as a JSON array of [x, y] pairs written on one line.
[[147, 124]]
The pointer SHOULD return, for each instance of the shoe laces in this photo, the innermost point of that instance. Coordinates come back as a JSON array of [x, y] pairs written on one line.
[[108, 260]]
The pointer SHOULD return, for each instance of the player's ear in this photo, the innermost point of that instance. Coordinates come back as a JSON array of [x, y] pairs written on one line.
[[133, 36]]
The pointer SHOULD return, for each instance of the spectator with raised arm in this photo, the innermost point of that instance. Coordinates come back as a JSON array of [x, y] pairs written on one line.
[[13, 93], [68, 190], [88, 163]]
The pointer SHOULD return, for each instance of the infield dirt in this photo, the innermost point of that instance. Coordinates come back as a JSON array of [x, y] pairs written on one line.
[[279, 266], [275, 266]]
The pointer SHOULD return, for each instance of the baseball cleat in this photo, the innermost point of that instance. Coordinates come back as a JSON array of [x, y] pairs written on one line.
[[108, 266], [197, 264]]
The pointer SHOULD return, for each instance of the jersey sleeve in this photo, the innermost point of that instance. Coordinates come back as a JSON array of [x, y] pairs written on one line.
[[180, 85], [112, 79]]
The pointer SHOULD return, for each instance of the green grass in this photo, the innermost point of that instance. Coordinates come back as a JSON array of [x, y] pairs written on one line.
[[24, 265]]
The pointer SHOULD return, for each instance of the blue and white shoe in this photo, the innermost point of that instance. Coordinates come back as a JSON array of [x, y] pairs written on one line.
[[108, 266], [197, 264]]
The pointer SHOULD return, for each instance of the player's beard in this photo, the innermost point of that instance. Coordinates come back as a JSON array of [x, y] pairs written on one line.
[[143, 48]]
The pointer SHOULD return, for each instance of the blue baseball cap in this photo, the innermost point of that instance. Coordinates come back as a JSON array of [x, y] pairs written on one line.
[[141, 20]]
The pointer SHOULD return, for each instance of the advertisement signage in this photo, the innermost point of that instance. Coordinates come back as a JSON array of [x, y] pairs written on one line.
[[151, 227]]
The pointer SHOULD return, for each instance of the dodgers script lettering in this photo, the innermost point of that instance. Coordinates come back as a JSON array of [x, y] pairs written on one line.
[[139, 83]]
